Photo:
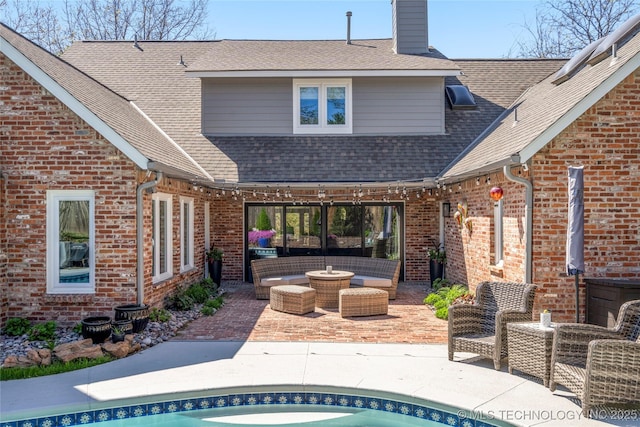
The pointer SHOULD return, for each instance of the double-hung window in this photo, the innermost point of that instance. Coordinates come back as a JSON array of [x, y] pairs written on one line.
[[498, 237], [70, 242], [186, 234], [322, 106], [162, 232]]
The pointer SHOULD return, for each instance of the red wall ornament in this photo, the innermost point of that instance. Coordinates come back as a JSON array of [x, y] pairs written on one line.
[[496, 193]]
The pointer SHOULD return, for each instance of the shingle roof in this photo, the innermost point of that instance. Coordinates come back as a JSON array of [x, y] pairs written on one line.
[[542, 112], [111, 108], [298, 55], [152, 78]]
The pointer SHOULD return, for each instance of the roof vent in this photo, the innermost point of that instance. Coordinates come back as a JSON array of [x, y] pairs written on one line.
[[460, 98], [349, 14], [574, 63], [617, 37]]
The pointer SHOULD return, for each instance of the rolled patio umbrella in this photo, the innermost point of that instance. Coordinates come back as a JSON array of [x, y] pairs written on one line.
[[575, 230]]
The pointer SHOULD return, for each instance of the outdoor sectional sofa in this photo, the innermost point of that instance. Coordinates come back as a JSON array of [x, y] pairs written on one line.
[[368, 272]]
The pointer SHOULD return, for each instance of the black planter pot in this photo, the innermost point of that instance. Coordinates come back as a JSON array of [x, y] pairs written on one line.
[[97, 328], [137, 314], [436, 270], [117, 337], [215, 271], [126, 326]]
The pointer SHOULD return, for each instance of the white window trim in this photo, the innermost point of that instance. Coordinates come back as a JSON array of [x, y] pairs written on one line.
[[322, 127], [188, 234], [156, 199], [53, 242]]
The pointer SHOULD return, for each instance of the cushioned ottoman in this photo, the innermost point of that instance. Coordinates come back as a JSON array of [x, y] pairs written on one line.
[[363, 302], [292, 299]]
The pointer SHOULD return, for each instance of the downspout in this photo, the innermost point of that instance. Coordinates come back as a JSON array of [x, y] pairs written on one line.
[[140, 235], [528, 220]]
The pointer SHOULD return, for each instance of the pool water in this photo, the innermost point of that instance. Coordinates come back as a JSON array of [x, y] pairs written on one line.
[[277, 415], [332, 407]]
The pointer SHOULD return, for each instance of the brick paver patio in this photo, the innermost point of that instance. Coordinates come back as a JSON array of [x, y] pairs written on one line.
[[243, 318]]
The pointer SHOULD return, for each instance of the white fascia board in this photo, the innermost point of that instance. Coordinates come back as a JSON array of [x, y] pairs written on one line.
[[577, 110], [74, 104], [326, 74]]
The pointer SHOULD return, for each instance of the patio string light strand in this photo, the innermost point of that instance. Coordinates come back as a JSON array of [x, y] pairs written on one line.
[[331, 193]]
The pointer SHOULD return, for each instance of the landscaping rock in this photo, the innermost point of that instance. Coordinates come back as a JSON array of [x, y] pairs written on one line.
[[119, 349], [78, 350], [14, 350]]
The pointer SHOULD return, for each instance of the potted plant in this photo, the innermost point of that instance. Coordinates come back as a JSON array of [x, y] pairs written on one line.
[[437, 259], [98, 328], [261, 238], [117, 334], [138, 314], [263, 232], [214, 262]]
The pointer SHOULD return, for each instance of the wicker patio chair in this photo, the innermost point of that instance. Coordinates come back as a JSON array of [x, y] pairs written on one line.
[[482, 328], [600, 365]]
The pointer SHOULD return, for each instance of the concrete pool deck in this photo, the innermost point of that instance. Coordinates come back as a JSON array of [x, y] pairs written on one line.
[[414, 370]]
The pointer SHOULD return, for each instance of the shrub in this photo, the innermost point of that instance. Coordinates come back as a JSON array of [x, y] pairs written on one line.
[[209, 284], [432, 298], [215, 303], [440, 304], [198, 293], [439, 283], [263, 222], [43, 331], [212, 305], [181, 301], [446, 296], [159, 315], [442, 313], [17, 326]]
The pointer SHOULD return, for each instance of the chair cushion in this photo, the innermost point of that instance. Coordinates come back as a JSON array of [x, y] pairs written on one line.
[[294, 279], [375, 282]]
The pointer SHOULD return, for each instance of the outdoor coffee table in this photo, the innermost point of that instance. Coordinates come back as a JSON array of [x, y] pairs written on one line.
[[529, 349], [328, 285]]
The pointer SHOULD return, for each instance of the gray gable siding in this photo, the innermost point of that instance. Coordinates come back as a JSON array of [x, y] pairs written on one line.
[[383, 106], [235, 106], [264, 106]]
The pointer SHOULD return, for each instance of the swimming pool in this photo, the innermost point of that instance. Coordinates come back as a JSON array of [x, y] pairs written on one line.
[[321, 407]]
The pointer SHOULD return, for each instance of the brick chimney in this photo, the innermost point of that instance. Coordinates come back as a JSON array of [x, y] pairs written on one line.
[[410, 26]]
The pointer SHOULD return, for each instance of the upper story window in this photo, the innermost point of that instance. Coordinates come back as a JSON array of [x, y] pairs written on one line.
[[70, 242], [322, 106]]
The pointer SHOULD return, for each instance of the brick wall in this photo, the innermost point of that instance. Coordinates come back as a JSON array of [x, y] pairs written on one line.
[[470, 253], [3, 240], [421, 224], [606, 141], [45, 146]]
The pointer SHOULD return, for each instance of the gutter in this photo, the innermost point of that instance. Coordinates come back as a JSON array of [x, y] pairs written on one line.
[[148, 187], [528, 217]]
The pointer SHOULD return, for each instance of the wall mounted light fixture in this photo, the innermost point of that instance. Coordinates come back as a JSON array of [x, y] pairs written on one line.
[[446, 209]]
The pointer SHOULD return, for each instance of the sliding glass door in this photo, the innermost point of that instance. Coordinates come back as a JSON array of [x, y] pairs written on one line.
[[368, 230]]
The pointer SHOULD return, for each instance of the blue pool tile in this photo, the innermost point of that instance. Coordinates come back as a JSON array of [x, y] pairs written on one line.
[[445, 418]]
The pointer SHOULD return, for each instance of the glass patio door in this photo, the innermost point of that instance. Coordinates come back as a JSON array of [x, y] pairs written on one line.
[[368, 230]]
